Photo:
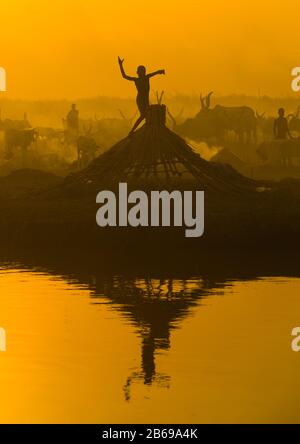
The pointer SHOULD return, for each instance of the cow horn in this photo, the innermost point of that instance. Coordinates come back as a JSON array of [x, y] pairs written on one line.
[[208, 99], [161, 97], [122, 114], [180, 113], [171, 117], [202, 101]]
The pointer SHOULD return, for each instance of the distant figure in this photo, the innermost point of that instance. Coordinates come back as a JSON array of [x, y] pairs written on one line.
[[143, 87], [73, 119], [281, 126]]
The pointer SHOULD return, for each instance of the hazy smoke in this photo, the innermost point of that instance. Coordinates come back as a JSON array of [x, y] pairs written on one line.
[[205, 151]]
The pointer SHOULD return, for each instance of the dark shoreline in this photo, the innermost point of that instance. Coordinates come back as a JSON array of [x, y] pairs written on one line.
[[260, 223], [52, 229], [60, 216]]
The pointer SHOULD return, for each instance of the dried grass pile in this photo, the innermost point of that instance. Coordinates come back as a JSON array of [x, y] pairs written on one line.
[[154, 156]]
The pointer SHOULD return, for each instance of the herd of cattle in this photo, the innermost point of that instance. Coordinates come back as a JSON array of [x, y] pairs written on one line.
[[240, 125], [46, 147], [217, 126]]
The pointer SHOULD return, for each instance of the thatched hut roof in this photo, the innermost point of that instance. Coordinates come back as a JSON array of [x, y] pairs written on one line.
[[156, 156]]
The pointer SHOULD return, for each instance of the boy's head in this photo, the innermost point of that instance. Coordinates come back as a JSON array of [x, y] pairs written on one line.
[[141, 71], [281, 112]]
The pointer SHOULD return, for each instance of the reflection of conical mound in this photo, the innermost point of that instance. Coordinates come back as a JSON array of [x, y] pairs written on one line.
[[156, 155], [155, 307]]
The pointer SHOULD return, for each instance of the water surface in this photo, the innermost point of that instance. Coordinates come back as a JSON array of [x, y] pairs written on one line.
[[117, 349]]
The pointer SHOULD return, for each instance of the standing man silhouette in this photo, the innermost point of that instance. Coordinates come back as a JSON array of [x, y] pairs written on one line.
[[142, 84], [281, 126], [73, 119]]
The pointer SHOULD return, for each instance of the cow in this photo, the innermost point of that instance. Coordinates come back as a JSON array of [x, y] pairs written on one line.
[[15, 138], [173, 120], [86, 150], [216, 122], [279, 152], [50, 133], [265, 125], [8, 124]]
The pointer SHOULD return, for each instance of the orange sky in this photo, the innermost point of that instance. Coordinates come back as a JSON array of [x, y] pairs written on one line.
[[68, 48]]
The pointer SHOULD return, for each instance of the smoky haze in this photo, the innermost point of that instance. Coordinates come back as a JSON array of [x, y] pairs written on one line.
[[67, 49]]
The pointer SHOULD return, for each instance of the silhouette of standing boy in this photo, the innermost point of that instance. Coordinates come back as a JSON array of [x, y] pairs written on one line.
[[142, 84], [281, 126], [73, 118]]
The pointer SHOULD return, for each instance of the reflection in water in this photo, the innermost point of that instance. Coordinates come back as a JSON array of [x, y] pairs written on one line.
[[154, 306], [225, 364]]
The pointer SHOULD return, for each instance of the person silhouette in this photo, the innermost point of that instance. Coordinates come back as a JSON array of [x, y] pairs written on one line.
[[142, 84], [73, 118], [281, 126]]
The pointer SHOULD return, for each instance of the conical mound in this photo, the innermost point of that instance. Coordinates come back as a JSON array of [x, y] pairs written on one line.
[[155, 155]]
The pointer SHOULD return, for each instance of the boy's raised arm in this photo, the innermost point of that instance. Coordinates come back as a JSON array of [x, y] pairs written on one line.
[[160, 71], [124, 75]]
